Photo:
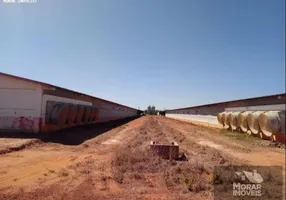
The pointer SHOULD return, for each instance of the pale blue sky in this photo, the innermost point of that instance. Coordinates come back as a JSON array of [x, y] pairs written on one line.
[[170, 54]]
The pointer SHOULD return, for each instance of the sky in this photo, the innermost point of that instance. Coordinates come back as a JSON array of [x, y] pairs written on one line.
[[167, 53]]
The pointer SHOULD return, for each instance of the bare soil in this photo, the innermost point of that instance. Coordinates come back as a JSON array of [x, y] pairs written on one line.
[[113, 161]]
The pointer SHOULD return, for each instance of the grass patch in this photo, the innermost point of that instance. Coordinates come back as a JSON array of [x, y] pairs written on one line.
[[137, 176], [51, 171], [240, 136], [133, 161], [89, 161], [130, 166], [85, 171], [118, 176], [193, 177], [63, 172], [104, 177]]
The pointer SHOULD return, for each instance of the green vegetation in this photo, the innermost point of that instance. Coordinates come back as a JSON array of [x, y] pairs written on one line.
[[240, 136]]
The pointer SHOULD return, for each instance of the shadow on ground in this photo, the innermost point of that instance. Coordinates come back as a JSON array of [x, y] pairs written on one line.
[[70, 136]]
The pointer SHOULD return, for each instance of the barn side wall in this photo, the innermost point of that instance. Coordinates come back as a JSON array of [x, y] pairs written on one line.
[[20, 105], [107, 110], [23, 106], [208, 113]]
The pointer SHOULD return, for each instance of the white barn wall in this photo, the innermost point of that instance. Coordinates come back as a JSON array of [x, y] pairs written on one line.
[[109, 111], [277, 107], [23, 104], [210, 119], [208, 113], [20, 104]]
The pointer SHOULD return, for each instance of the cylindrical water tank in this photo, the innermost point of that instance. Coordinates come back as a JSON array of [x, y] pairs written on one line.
[[242, 121], [252, 121], [96, 114], [220, 118], [225, 119], [233, 123], [87, 111], [72, 113], [60, 114], [270, 123], [80, 113], [92, 114]]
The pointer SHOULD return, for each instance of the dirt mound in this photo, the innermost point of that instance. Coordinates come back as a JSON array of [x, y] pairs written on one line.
[[29, 144]]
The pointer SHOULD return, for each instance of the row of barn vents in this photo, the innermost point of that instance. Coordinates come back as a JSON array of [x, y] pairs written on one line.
[[67, 113], [264, 124]]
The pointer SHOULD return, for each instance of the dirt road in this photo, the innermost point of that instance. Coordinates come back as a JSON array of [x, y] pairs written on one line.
[[116, 163]]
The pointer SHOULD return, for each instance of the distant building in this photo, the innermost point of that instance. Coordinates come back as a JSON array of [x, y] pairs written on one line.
[[149, 110], [153, 110]]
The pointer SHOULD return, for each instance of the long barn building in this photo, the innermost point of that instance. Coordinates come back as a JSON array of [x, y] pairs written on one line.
[[32, 106], [262, 116], [208, 113]]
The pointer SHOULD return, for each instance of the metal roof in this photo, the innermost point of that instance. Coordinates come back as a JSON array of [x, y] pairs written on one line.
[[212, 104], [50, 85]]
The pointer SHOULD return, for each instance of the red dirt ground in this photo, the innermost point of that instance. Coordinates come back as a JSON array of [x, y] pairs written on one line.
[[116, 163]]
